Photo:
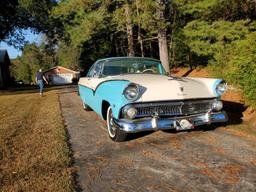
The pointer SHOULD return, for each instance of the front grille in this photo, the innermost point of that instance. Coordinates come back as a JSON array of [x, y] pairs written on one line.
[[158, 108], [189, 108], [173, 108]]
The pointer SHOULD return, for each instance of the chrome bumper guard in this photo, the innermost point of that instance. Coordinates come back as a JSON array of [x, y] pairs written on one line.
[[179, 123]]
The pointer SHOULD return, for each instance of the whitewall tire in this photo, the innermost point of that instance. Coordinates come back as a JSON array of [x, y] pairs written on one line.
[[113, 130]]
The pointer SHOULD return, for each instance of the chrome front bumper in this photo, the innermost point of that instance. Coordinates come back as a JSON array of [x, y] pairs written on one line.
[[156, 123]]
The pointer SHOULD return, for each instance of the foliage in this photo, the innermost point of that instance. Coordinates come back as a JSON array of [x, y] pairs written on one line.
[[68, 56], [105, 22], [33, 58], [218, 33], [85, 23], [207, 40], [200, 32], [81, 19], [212, 10], [240, 66], [9, 18], [17, 15]]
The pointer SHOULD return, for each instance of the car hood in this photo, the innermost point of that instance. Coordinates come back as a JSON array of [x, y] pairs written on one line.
[[160, 87]]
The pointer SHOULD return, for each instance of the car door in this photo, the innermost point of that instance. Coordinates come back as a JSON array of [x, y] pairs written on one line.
[[91, 81]]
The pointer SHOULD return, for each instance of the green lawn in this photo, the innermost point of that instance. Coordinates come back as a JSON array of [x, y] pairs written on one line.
[[34, 155]]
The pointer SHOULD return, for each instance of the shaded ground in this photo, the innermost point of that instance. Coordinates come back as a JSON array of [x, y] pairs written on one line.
[[221, 159]]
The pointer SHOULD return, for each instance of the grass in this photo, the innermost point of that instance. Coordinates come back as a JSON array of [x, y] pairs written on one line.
[[34, 155]]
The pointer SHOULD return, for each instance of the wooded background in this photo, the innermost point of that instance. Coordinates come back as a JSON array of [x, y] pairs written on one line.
[[219, 34]]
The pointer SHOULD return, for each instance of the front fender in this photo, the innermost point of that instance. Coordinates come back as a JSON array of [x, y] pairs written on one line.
[[112, 92], [210, 84]]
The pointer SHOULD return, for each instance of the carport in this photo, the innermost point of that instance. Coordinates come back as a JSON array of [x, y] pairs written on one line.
[[60, 75]]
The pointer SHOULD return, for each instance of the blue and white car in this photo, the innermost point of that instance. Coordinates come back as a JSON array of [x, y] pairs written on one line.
[[135, 94]]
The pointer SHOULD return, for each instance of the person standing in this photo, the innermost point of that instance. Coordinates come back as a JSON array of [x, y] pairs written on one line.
[[40, 78]]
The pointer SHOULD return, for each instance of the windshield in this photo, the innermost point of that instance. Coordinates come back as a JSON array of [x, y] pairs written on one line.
[[130, 66]]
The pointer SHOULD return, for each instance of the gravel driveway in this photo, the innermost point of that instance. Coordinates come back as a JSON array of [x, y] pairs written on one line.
[[201, 160]]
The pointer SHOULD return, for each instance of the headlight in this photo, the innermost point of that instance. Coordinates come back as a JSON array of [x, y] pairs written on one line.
[[221, 88], [129, 111], [217, 105], [131, 92]]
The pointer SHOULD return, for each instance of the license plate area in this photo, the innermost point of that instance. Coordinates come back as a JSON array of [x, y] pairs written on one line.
[[184, 124]]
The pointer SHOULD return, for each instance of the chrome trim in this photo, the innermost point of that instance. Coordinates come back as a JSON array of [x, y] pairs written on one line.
[[170, 108], [156, 123], [157, 104], [175, 108], [125, 109]]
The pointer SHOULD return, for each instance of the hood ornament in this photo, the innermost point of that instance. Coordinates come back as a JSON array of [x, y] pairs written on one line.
[[181, 93]]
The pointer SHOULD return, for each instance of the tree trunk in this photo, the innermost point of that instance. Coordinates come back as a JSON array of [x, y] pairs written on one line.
[[129, 30], [151, 49], [139, 30], [141, 43], [190, 60], [173, 56], [173, 44], [162, 39]]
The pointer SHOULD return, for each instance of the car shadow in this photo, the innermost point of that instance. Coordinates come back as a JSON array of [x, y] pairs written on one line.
[[133, 136], [187, 73], [234, 111]]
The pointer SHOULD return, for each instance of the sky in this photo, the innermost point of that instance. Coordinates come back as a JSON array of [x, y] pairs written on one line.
[[13, 52]]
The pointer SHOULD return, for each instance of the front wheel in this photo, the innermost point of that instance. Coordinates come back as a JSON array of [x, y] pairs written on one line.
[[113, 131]]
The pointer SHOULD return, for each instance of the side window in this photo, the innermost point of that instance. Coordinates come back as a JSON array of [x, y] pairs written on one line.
[[95, 69], [90, 73]]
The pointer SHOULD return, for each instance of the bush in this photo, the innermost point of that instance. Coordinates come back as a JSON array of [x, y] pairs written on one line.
[[237, 64]]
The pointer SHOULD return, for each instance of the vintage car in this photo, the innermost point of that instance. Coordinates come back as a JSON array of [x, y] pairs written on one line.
[[136, 94]]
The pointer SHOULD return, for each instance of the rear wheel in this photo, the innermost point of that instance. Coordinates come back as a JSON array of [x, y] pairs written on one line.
[[114, 131]]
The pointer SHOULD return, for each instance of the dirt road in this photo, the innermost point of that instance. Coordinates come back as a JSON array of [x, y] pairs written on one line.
[[201, 160]]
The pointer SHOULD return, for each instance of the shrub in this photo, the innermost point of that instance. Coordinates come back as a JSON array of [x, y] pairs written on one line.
[[237, 64]]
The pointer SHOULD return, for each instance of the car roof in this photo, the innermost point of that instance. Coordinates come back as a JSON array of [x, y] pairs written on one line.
[[118, 58]]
